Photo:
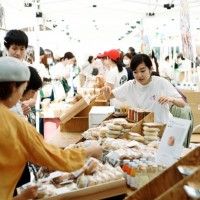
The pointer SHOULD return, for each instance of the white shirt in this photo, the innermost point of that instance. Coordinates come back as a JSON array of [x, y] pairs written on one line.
[[116, 78], [146, 96], [166, 70], [43, 71], [59, 70]]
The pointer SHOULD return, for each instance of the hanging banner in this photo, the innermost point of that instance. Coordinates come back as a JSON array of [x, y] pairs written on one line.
[[185, 30]]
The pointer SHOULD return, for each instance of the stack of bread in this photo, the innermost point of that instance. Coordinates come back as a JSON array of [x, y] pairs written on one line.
[[150, 133], [114, 128], [135, 136]]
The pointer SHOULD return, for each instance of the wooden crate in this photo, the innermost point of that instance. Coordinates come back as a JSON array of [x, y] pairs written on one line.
[[76, 124], [76, 118], [167, 179], [101, 191], [177, 191]]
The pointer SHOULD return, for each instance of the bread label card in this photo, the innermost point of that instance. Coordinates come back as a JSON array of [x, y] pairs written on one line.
[[171, 144]]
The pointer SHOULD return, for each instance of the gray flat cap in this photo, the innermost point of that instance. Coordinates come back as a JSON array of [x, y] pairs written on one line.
[[12, 69]]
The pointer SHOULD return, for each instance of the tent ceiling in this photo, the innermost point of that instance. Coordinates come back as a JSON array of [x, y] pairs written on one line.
[[110, 19]]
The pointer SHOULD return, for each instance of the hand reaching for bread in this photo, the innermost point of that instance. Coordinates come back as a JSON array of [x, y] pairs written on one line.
[[94, 150]]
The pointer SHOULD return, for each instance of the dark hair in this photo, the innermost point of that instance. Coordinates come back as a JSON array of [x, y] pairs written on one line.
[[44, 61], [152, 55], [166, 58], [139, 59], [49, 51], [35, 81], [68, 55], [119, 63], [129, 55], [1, 53], [16, 37], [132, 51], [90, 58], [6, 89], [180, 55], [41, 51]]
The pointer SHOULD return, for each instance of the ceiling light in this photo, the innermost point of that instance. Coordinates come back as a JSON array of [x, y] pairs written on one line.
[[168, 6]]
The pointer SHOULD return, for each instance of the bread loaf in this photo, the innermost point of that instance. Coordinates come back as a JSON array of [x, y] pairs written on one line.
[[114, 127]]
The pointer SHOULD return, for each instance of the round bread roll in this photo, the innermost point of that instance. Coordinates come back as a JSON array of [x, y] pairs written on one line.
[[147, 142], [127, 125], [151, 133], [104, 130], [136, 137], [151, 138], [146, 128], [119, 121], [112, 135], [154, 144], [125, 130], [114, 132], [114, 127]]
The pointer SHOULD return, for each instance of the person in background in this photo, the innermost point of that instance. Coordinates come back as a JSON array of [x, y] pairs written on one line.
[[62, 69], [166, 70], [75, 71], [148, 92], [154, 63], [20, 140], [115, 74], [127, 61], [197, 63], [16, 43], [50, 58], [87, 68], [131, 50]]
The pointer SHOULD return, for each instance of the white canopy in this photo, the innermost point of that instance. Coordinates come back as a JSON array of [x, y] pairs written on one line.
[[105, 23]]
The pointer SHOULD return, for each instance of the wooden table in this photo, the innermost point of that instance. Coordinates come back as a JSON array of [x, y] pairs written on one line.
[[63, 139]]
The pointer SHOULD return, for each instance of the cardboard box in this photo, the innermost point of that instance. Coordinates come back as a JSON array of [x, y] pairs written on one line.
[[99, 113]]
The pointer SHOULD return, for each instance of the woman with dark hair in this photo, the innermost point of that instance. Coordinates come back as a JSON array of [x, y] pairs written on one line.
[[152, 93], [127, 62], [154, 63], [116, 74], [20, 142], [131, 50]]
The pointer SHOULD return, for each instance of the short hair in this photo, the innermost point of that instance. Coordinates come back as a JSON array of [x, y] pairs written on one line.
[[166, 58], [16, 37], [68, 55], [128, 55], [139, 59], [90, 59], [6, 88], [35, 81]]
